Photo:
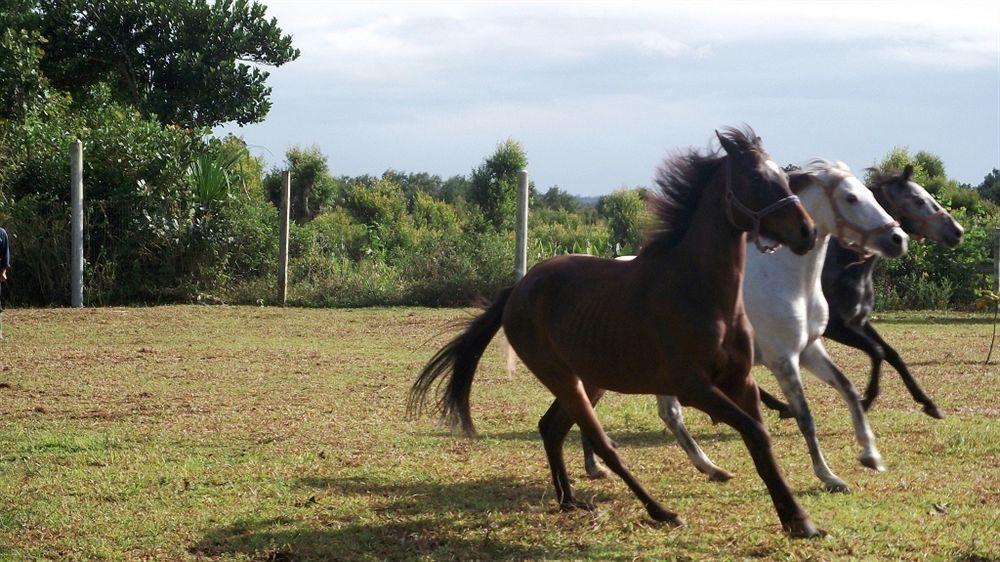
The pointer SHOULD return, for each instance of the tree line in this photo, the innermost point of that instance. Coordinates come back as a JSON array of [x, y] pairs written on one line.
[[177, 214]]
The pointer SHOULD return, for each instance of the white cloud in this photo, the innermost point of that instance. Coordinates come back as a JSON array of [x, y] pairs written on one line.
[[407, 38]]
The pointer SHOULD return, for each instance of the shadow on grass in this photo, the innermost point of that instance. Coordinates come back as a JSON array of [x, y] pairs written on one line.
[[407, 520], [648, 438]]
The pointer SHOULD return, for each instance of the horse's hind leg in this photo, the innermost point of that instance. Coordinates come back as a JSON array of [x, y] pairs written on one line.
[[576, 403], [786, 370], [670, 412], [784, 412], [595, 470], [930, 408], [554, 426], [815, 358], [713, 402]]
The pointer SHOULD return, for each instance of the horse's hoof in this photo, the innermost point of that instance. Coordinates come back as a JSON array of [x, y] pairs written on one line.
[[663, 516], [932, 411], [837, 486], [597, 472], [719, 475], [570, 505], [873, 462], [803, 529]]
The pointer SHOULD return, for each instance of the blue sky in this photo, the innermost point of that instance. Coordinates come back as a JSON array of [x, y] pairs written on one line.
[[599, 92]]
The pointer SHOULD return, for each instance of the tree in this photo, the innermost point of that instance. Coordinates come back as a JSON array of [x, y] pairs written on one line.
[[313, 189], [990, 188], [21, 82], [558, 199], [625, 211], [190, 63], [931, 164], [494, 184]]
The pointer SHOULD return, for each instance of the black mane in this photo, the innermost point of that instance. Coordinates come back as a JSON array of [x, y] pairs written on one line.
[[878, 177], [682, 178]]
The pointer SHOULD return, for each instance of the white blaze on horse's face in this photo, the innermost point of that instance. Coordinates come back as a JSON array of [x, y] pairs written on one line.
[[857, 206]]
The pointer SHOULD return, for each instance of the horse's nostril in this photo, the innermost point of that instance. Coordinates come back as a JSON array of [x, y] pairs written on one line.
[[959, 232], [897, 239]]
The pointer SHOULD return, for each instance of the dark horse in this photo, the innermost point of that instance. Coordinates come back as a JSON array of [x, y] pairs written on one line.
[[847, 282], [669, 322]]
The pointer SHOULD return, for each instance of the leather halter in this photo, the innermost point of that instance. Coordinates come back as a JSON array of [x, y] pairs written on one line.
[[897, 211], [754, 216], [843, 223]]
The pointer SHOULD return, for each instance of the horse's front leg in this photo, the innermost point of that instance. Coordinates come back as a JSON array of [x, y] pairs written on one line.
[[786, 370], [930, 408], [815, 358], [855, 337], [722, 407]]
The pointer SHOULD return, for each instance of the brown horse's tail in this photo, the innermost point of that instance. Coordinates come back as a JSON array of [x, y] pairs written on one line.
[[455, 364]]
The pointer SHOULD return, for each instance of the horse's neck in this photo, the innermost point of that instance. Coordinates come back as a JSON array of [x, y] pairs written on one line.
[[844, 266], [786, 272], [806, 270], [710, 255]]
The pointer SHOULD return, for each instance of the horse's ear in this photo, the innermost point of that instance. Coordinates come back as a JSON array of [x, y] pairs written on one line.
[[729, 146], [907, 172]]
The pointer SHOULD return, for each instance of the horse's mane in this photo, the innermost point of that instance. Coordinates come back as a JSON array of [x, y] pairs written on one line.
[[682, 178], [878, 177], [800, 176]]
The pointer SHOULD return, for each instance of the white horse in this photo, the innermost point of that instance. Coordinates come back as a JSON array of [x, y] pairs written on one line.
[[785, 304]]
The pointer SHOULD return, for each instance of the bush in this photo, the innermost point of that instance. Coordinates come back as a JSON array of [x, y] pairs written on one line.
[[625, 212]]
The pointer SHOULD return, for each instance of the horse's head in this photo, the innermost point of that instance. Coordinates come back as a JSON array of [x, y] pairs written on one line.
[[842, 206], [920, 215], [758, 197]]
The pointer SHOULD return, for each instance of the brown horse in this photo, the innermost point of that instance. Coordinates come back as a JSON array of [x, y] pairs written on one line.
[[669, 322]]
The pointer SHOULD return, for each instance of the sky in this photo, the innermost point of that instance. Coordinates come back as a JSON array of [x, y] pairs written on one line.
[[598, 93]]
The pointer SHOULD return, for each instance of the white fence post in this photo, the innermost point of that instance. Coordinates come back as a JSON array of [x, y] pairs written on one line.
[[521, 263], [286, 192], [76, 222]]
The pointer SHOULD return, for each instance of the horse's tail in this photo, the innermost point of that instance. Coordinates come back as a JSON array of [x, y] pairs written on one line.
[[455, 364]]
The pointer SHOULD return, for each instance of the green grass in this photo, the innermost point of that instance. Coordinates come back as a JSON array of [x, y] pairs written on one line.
[[261, 433]]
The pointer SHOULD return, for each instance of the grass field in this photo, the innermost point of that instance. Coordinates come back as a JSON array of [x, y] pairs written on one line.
[[262, 433]]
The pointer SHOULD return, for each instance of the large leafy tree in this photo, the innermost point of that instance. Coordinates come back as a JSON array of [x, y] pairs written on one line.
[[313, 188], [21, 84], [494, 184], [190, 63]]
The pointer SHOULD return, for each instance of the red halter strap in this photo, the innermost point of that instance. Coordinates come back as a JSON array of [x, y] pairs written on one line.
[[843, 224]]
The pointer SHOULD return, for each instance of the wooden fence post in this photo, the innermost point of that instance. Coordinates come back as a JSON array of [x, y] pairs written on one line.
[[521, 259], [286, 191], [76, 222]]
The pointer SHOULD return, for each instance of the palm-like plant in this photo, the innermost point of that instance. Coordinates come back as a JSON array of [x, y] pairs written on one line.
[[209, 176]]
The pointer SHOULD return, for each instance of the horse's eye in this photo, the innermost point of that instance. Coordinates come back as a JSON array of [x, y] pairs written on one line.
[[852, 198], [921, 202]]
